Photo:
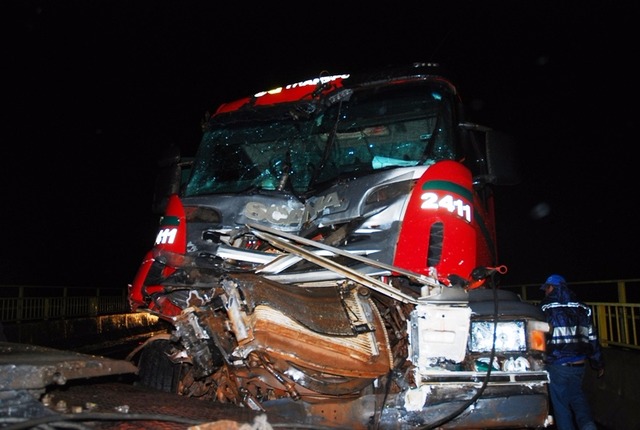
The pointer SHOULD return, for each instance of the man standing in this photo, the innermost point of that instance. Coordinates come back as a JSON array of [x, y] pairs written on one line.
[[572, 343]]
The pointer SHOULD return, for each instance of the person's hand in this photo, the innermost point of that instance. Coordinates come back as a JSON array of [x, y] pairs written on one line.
[[600, 373]]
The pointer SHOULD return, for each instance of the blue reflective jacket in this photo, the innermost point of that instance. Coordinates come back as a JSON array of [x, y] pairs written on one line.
[[573, 336]]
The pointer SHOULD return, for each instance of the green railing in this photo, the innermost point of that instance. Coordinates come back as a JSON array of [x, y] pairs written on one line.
[[616, 317]]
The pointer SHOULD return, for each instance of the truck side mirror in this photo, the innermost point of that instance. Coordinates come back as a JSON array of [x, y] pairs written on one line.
[[169, 179], [503, 163]]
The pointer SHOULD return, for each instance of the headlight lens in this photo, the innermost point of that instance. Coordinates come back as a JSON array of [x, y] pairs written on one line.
[[386, 194], [510, 336]]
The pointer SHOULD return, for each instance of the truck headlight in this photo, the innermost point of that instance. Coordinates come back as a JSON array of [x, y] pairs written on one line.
[[510, 336]]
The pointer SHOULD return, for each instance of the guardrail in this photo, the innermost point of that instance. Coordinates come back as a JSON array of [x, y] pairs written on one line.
[[19, 303], [618, 321], [618, 324], [615, 305]]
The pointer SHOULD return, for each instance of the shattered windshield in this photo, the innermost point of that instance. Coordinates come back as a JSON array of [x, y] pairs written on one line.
[[374, 129]]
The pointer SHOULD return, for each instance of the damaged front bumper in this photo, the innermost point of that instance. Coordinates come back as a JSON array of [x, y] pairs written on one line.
[[456, 400]]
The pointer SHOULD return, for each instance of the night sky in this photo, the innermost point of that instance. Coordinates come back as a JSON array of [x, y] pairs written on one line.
[[93, 90]]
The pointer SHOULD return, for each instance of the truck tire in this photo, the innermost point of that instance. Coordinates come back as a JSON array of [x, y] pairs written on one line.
[[156, 370]]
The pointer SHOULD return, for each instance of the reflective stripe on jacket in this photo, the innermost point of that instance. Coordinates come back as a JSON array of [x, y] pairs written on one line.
[[573, 336]]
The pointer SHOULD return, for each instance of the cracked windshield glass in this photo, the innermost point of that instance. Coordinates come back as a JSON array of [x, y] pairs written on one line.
[[305, 146]]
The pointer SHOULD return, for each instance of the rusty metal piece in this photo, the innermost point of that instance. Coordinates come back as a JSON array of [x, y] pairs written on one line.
[[289, 386]]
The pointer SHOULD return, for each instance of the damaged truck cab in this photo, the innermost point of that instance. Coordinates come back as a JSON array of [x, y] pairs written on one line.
[[329, 255]]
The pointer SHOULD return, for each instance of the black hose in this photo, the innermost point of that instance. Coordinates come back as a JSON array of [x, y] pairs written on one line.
[[481, 390]]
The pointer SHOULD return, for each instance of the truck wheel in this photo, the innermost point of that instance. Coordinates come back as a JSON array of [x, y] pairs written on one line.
[[156, 370]]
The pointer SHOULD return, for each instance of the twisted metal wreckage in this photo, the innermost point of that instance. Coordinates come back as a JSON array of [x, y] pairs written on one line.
[[329, 254]]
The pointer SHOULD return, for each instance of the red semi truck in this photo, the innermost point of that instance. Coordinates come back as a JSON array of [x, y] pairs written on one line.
[[329, 254]]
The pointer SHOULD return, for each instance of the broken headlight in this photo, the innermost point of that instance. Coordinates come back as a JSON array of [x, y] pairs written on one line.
[[510, 336]]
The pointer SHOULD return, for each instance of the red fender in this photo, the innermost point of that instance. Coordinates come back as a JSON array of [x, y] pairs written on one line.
[[172, 237], [444, 226]]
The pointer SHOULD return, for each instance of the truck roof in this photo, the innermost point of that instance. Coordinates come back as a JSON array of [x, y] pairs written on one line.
[[325, 84]]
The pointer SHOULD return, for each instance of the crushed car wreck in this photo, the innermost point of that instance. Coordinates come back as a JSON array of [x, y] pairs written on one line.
[[330, 254]]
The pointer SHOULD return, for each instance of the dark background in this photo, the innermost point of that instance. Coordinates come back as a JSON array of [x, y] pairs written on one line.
[[93, 90]]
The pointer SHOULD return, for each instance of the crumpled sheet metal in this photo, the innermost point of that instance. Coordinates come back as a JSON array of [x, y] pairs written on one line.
[[32, 367]]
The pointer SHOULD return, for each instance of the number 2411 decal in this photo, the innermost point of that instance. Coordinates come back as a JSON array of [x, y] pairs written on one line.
[[432, 201]]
